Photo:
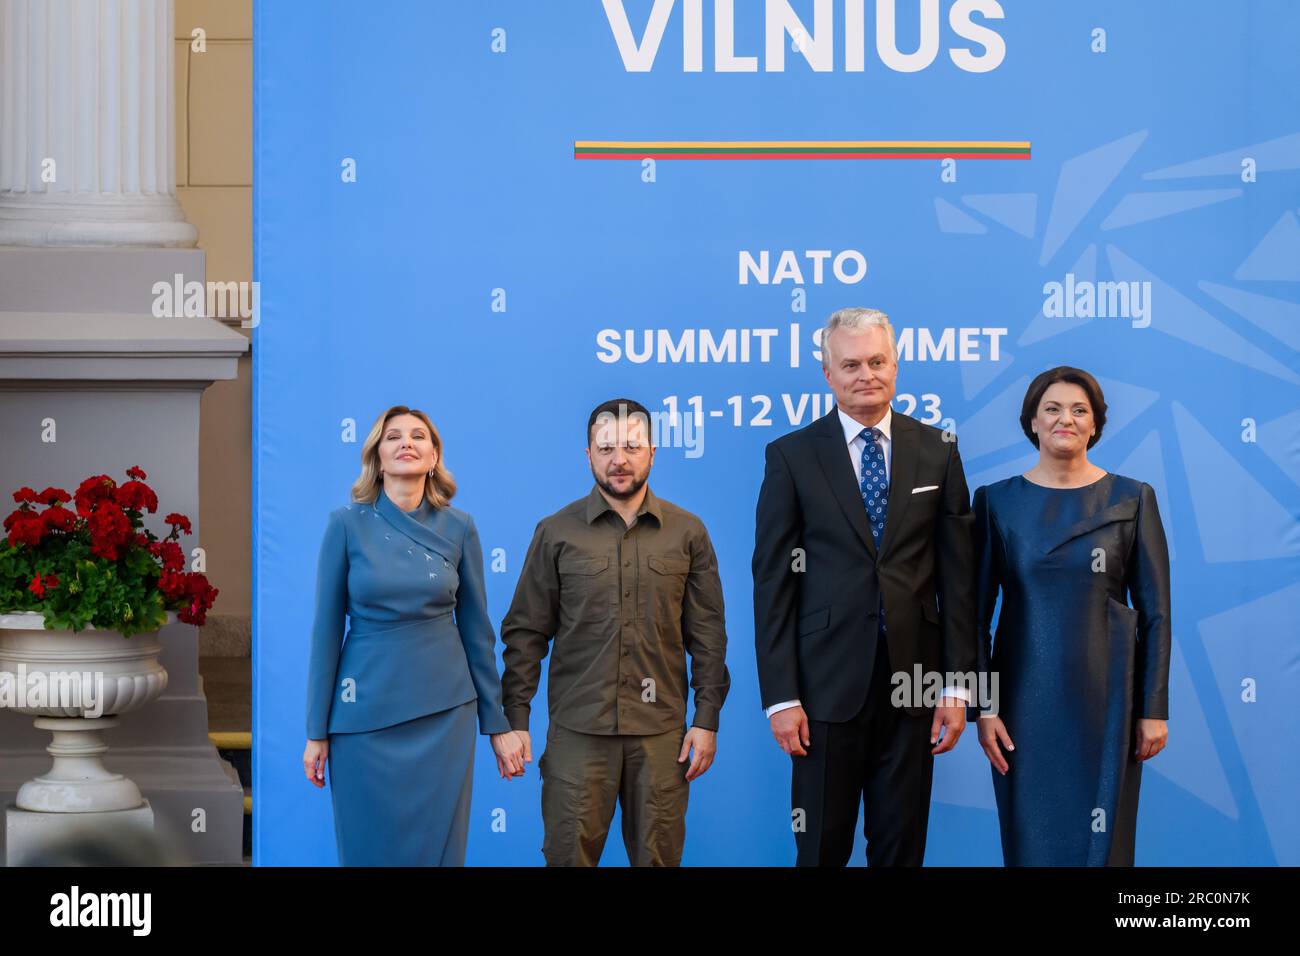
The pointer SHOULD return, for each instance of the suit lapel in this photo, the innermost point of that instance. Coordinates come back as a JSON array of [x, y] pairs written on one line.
[[902, 476], [412, 528], [833, 456]]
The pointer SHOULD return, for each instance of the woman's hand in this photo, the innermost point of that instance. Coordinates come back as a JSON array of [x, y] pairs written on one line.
[[993, 737], [314, 759], [510, 754], [1152, 735]]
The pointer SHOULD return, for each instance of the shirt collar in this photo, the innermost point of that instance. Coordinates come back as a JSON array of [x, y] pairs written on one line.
[[597, 505], [853, 428]]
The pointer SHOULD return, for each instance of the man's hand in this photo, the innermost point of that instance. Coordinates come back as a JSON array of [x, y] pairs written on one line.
[[705, 744], [528, 745], [950, 715], [790, 728]]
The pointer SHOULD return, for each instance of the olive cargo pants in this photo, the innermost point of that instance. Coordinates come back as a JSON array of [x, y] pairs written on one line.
[[582, 777]]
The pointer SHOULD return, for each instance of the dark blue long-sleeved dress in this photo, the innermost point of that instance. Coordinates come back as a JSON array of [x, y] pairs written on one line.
[[399, 697], [1076, 665]]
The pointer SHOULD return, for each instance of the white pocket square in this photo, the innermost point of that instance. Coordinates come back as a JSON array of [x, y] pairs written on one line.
[[917, 491]]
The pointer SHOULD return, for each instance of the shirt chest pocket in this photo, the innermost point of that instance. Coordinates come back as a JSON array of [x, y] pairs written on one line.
[[585, 588], [666, 584], [924, 500]]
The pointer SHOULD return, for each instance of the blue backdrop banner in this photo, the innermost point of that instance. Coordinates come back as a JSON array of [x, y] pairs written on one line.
[[506, 212]]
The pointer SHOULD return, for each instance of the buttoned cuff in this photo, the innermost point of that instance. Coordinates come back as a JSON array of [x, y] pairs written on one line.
[[517, 717], [706, 717]]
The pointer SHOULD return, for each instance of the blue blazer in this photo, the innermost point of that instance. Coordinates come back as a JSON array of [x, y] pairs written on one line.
[[419, 639]]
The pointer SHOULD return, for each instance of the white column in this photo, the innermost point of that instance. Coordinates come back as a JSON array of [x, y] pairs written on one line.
[[87, 138]]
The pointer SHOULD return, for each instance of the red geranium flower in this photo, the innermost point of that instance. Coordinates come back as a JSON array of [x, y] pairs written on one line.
[[92, 491], [178, 520], [110, 529], [173, 558], [137, 496], [53, 495], [59, 519], [202, 596], [135, 472], [39, 584], [26, 494], [25, 527]]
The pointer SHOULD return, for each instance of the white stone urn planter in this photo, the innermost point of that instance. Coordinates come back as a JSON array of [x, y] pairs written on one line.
[[75, 684]]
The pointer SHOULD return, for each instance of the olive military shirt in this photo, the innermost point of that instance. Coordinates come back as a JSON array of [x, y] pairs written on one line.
[[625, 606]]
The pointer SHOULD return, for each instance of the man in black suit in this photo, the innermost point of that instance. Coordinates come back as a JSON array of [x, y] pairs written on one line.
[[863, 520]]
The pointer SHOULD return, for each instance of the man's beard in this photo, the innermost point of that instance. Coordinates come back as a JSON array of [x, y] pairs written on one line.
[[606, 487]]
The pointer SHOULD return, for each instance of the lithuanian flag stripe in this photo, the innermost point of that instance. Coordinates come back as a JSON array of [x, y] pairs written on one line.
[[802, 149]]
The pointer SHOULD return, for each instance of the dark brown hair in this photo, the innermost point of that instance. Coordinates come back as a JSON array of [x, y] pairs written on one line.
[[1072, 376], [623, 408]]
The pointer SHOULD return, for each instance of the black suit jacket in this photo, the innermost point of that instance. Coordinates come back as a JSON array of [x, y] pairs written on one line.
[[815, 629]]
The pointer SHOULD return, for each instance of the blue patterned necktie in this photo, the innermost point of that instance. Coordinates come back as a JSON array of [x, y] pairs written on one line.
[[875, 491], [875, 483]]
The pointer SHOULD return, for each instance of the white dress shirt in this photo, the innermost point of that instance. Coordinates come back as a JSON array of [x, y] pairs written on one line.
[[854, 441], [853, 437]]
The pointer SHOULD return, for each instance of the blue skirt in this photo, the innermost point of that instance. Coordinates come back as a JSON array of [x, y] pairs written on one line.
[[402, 793]]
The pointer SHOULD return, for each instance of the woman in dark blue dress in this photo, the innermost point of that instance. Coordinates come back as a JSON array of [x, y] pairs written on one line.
[[392, 709], [1082, 677]]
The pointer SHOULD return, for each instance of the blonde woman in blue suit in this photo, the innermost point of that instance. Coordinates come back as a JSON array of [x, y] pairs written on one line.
[[392, 710]]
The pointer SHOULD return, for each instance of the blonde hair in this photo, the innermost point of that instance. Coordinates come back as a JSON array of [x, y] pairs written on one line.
[[856, 321], [439, 486]]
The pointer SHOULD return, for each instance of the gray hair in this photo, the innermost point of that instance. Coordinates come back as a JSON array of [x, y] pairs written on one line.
[[856, 321]]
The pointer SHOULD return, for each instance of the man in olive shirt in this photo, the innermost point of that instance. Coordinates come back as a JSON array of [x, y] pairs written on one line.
[[627, 584]]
